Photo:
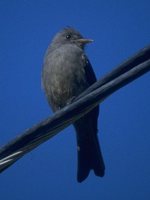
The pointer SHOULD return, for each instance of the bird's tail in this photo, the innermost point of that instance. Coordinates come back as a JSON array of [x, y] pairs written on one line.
[[89, 155]]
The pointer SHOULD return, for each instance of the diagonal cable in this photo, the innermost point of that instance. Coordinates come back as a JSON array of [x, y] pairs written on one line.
[[33, 137]]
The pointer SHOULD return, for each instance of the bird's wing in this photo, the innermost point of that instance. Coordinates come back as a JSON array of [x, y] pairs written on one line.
[[90, 75]]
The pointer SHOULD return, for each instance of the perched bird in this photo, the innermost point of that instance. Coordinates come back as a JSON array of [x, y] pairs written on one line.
[[67, 72]]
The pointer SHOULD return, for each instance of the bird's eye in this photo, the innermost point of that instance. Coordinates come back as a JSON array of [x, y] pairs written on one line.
[[68, 36]]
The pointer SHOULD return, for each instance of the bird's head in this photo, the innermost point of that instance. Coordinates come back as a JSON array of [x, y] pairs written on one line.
[[70, 36]]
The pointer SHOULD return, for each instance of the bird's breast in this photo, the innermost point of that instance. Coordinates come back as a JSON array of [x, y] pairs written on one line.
[[64, 76]]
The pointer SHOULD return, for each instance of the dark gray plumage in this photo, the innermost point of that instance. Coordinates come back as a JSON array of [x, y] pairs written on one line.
[[67, 72]]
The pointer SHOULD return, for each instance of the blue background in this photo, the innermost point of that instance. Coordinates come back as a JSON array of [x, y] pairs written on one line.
[[119, 29]]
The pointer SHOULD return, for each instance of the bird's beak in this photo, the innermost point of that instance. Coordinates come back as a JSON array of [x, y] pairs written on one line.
[[84, 41]]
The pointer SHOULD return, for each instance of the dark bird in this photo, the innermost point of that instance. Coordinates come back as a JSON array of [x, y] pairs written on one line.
[[67, 72]]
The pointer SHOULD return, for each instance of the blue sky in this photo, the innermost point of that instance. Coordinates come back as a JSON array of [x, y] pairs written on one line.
[[119, 29]]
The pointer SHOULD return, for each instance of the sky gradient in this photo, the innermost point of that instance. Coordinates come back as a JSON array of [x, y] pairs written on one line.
[[119, 29]]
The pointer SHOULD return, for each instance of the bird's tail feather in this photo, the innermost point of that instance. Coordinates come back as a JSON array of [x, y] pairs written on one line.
[[89, 157]]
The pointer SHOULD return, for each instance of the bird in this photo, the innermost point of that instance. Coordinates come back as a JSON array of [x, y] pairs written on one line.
[[66, 73]]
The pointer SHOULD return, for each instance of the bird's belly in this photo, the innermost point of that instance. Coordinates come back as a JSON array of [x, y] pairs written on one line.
[[64, 76], [64, 88]]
